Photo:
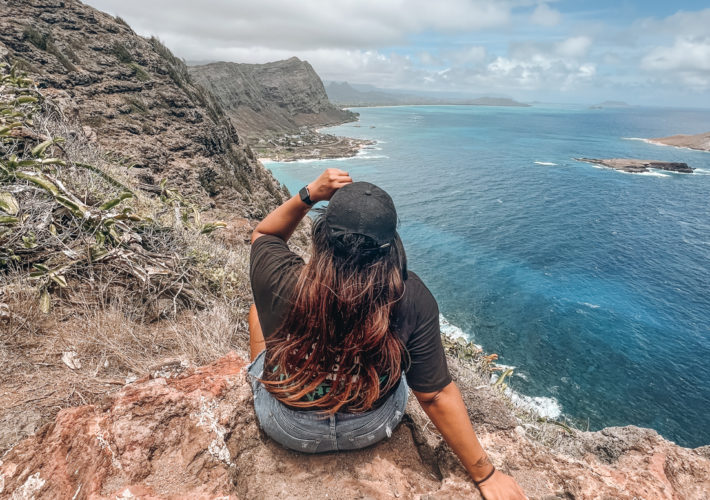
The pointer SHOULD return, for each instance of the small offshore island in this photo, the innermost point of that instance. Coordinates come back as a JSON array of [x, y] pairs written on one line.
[[633, 166], [700, 142]]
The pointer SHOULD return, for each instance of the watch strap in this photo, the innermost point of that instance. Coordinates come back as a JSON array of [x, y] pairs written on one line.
[[306, 196]]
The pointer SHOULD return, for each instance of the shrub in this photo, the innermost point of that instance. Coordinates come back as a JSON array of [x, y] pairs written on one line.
[[120, 20], [121, 53], [139, 72], [176, 68], [43, 41], [39, 40]]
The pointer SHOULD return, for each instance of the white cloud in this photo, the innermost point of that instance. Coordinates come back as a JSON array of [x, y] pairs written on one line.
[[539, 72], [691, 24], [687, 60], [686, 54], [577, 46], [544, 15], [200, 27], [477, 46], [471, 55]]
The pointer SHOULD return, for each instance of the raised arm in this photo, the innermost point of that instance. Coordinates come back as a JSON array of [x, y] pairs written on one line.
[[283, 221], [447, 411]]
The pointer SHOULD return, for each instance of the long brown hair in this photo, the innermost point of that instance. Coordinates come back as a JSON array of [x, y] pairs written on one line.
[[339, 330]]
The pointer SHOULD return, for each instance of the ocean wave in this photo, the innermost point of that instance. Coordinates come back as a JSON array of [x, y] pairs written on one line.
[[653, 174], [547, 163], [591, 306], [366, 156], [647, 141], [451, 330], [545, 407], [315, 160]]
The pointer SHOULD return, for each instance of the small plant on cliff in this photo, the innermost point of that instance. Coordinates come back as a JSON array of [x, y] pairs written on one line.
[[44, 41], [120, 20], [176, 68], [121, 53], [140, 73], [62, 219]]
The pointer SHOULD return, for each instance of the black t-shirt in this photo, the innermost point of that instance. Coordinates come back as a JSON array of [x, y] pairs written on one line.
[[274, 271]]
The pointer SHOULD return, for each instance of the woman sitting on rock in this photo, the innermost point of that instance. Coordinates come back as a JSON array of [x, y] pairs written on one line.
[[337, 343]]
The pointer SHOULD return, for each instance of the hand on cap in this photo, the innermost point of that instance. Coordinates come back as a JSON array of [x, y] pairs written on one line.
[[328, 183]]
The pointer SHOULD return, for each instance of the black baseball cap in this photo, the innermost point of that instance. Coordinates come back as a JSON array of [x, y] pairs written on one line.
[[362, 208]]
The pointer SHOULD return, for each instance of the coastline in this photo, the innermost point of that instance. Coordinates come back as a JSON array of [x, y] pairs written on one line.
[[311, 144], [698, 142]]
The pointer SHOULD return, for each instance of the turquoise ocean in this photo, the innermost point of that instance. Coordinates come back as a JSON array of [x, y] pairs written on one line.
[[594, 284]]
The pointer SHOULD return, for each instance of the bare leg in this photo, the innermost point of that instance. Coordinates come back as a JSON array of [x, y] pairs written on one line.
[[256, 337]]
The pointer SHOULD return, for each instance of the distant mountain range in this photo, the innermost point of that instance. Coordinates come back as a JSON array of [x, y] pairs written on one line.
[[345, 94], [610, 104]]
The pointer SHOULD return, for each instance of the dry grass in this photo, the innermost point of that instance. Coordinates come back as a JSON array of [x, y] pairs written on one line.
[[108, 342], [113, 346]]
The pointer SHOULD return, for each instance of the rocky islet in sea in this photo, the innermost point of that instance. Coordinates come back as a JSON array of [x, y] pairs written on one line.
[[634, 166]]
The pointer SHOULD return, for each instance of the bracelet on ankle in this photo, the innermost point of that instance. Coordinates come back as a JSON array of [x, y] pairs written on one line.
[[478, 483]]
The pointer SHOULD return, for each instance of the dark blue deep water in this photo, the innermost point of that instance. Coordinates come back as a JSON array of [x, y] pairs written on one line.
[[593, 283]]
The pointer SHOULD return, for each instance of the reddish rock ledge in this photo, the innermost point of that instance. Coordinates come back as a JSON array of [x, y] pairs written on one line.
[[193, 434]]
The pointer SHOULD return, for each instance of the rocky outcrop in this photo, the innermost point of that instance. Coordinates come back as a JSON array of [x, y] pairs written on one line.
[[192, 433], [700, 142], [138, 101], [270, 99], [633, 166]]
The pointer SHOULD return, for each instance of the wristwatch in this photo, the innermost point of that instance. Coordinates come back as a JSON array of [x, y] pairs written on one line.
[[306, 196]]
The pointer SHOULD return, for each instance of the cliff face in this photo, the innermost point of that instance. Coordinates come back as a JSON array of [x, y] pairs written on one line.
[[192, 433], [273, 98], [137, 101]]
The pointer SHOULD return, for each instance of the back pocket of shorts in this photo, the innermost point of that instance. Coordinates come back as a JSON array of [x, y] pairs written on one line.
[[283, 432]]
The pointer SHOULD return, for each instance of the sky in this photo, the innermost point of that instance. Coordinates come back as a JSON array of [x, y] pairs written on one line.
[[642, 52]]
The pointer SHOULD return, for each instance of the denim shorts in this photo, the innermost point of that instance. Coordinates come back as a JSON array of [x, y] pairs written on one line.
[[316, 432]]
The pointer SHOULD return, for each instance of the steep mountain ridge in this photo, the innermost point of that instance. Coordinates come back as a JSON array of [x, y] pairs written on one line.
[[138, 101], [270, 99]]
